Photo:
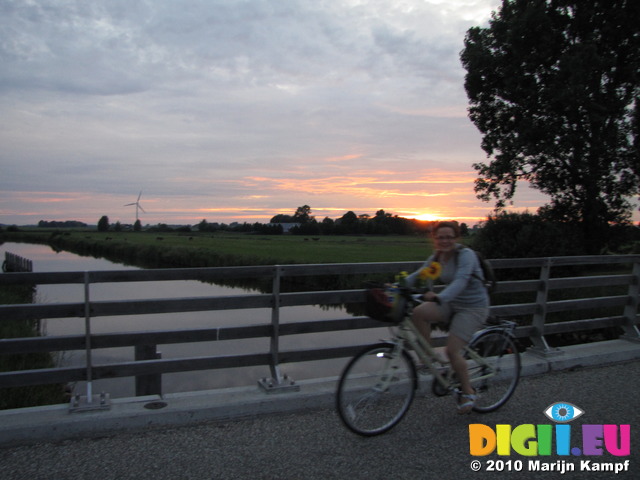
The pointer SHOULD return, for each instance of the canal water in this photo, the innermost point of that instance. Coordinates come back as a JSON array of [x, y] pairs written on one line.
[[46, 259]]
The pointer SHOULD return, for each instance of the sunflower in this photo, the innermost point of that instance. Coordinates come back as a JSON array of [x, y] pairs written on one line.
[[431, 272]]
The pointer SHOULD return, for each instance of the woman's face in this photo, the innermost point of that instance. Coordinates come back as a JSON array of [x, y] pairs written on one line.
[[445, 239]]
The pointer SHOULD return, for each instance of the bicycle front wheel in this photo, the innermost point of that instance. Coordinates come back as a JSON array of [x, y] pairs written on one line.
[[494, 369], [376, 389]]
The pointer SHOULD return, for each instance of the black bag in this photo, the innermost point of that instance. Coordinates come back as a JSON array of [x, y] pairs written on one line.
[[487, 271], [379, 306]]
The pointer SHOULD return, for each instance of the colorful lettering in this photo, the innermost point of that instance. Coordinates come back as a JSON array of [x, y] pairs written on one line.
[[482, 440], [523, 440], [621, 449], [545, 433], [592, 439], [563, 439], [530, 440], [503, 435]]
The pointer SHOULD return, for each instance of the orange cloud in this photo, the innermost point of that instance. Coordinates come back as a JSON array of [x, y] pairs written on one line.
[[344, 158], [369, 185], [48, 197]]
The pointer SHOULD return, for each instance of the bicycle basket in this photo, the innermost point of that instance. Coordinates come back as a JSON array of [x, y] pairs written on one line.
[[382, 305]]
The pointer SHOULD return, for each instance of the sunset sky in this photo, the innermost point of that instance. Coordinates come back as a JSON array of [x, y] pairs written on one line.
[[230, 110]]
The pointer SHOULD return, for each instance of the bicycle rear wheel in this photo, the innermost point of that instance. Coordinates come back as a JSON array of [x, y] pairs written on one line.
[[376, 389], [495, 372]]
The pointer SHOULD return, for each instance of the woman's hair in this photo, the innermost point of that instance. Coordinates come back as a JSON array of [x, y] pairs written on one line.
[[446, 224]]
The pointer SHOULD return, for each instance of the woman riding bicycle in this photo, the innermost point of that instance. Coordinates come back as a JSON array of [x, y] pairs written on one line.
[[461, 307]]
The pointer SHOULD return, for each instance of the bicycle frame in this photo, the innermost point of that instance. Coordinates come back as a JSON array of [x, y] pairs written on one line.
[[406, 333]]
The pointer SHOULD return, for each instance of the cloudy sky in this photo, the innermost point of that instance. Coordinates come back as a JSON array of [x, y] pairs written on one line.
[[236, 110]]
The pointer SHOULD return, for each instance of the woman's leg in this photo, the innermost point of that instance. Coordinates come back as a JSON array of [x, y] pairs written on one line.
[[463, 325], [424, 315], [466, 400], [454, 351]]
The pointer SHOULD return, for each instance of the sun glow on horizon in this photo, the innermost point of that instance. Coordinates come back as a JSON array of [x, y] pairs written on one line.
[[427, 217]]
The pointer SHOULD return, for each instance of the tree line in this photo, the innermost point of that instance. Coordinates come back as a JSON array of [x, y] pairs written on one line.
[[382, 223], [303, 222], [61, 224]]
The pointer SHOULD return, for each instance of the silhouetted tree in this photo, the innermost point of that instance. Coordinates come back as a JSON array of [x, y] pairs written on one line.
[[303, 214], [327, 226], [554, 88], [282, 218], [349, 218], [103, 224], [203, 226]]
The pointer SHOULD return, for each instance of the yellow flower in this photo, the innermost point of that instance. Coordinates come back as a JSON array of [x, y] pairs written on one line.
[[431, 272]]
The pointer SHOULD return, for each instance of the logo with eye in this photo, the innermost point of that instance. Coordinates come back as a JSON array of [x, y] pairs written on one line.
[[563, 412]]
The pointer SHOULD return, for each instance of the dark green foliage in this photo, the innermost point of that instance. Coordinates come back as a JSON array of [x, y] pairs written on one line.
[[19, 397], [554, 88], [524, 235], [63, 224]]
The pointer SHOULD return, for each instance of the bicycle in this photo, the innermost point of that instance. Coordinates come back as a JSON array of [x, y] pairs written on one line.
[[379, 384]]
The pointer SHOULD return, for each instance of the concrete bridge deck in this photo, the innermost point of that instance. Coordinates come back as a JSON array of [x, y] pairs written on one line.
[[227, 434]]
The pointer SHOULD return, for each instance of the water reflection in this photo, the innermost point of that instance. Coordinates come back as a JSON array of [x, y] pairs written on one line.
[[45, 259]]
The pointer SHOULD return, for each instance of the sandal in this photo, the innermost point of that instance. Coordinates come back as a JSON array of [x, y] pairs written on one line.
[[466, 402]]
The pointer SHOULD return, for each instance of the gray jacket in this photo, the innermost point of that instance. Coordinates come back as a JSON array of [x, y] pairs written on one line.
[[463, 278]]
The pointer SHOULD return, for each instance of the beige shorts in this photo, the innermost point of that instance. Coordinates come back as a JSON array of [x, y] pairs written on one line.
[[464, 322]]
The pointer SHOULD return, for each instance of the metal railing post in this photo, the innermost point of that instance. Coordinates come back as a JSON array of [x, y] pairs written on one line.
[[148, 384], [277, 383], [631, 331], [89, 401], [540, 345]]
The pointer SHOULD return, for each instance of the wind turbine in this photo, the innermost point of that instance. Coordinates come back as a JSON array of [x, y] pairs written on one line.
[[137, 204]]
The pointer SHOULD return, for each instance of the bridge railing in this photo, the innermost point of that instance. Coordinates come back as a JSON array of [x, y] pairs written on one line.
[[544, 277]]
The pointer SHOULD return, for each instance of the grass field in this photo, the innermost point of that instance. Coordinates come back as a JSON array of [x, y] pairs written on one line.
[[296, 249], [234, 248]]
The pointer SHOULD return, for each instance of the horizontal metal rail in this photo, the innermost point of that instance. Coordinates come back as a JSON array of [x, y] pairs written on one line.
[[534, 315]]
